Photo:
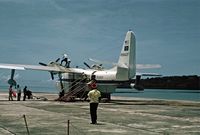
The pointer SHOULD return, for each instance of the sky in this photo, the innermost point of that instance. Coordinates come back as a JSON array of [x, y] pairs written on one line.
[[167, 33]]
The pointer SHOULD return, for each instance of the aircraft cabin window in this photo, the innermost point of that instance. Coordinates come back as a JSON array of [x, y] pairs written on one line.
[[125, 48]]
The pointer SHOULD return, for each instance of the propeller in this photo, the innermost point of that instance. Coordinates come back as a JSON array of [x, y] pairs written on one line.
[[86, 64], [52, 73], [11, 81], [43, 64], [97, 66], [57, 59]]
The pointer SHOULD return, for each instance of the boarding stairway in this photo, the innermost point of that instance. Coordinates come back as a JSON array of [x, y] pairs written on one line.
[[78, 89]]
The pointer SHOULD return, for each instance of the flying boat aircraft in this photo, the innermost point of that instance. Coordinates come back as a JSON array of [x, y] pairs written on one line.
[[75, 80]]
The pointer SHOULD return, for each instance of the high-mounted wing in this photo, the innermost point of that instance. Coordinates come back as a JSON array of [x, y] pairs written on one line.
[[53, 68], [50, 68]]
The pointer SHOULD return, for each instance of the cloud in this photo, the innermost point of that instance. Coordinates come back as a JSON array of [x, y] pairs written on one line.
[[55, 4]]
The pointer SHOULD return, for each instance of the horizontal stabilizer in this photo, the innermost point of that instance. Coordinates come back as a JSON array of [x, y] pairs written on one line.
[[148, 74], [148, 66]]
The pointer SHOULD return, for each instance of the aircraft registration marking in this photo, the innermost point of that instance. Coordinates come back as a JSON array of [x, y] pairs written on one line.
[[124, 54], [99, 77]]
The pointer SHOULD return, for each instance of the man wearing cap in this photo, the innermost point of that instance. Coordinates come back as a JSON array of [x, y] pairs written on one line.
[[94, 96]]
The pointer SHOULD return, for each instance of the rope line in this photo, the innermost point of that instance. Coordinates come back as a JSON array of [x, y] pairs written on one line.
[[7, 130], [78, 129]]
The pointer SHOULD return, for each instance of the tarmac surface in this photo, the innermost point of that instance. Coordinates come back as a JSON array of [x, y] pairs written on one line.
[[121, 116]]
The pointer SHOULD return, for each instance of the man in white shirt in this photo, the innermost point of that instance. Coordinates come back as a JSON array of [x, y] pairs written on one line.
[[94, 96], [18, 93]]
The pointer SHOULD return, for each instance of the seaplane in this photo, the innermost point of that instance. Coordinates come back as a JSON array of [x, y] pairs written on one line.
[[122, 75]]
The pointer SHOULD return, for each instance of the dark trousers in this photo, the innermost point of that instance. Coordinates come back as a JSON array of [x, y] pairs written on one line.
[[10, 96], [93, 112], [24, 98], [18, 96]]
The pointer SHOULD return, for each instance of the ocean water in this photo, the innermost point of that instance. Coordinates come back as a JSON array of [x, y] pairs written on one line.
[[35, 88], [172, 94]]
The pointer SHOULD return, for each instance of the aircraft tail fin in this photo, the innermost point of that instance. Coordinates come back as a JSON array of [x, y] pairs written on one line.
[[126, 67]]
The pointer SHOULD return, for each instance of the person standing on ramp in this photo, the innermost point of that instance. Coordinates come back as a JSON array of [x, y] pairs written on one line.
[[18, 93], [94, 96]]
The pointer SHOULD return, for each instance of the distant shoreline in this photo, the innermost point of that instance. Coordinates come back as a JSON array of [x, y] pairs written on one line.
[[190, 82]]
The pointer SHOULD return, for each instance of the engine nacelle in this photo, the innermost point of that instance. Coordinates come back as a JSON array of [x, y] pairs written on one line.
[[137, 87], [12, 82]]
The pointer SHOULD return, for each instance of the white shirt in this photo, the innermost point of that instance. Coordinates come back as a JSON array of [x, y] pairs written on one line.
[[94, 96], [19, 90]]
